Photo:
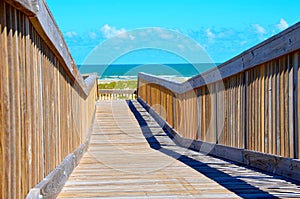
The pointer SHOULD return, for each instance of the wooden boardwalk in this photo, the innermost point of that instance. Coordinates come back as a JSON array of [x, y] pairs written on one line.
[[130, 156]]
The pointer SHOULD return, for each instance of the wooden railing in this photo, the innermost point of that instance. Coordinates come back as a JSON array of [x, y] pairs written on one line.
[[250, 102], [46, 107], [116, 94]]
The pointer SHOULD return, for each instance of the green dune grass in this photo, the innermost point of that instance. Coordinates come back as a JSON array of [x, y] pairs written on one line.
[[130, 84]]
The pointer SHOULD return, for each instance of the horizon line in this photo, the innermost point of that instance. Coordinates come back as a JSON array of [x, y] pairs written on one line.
[[216, 63]]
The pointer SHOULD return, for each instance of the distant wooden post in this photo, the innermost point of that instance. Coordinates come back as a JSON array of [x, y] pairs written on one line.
[[116, 94]]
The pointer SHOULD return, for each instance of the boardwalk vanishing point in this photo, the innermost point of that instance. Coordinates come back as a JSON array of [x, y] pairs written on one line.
[[230, 132], [130, 156]]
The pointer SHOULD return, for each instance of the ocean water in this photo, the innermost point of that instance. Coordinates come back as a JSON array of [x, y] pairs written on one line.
[[130, 71]]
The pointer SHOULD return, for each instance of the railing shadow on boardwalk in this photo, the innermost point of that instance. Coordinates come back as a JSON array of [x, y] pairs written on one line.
[[199, 166]]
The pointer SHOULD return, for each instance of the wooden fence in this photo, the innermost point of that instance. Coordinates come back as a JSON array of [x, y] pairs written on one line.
[[116, 94], [249, 102], [46, 107]]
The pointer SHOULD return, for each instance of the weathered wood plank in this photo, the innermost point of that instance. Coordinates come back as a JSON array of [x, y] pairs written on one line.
[[295, 135], [276, 46], [25, 6], [277, 108], [2, 103], [121, 163], [12, 99], [44, 23], [19, 112], [298, 104], [286, 108], [30, 144], [28, 111], [272, 163], [116, 91], [115, 94], [270, 107], [270, 123], [281, 100], [266, 130], [52, 184], [258, 100], [291, 105]]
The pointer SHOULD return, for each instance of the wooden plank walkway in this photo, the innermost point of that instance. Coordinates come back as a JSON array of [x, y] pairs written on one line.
[[130, 156]]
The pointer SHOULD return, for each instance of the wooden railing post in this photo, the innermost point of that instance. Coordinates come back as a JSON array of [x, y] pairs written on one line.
[[261, 99], [246, 127], [46, 105], [296, 105], [116, 94]]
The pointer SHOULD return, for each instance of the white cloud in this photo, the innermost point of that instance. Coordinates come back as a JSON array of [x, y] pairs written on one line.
[[242, 43], [93, 35], [125, 35], [166, 36], [225, 33], [71, 34], [163, 33], [181, 47], [110, 32], [259, 29], [282, 25], [210, 34]]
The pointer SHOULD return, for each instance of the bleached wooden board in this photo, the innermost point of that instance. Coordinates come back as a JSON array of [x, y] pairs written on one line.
[[121, 163]]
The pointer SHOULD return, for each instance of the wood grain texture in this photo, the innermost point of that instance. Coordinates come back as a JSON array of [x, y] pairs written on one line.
[[281, 44], [258, 108], [297, 86], [2, 130], [271, 163], [130, 156], [33, 122], [114, 94], [53, 183], [43, 21], [260, 98], [23, 5]]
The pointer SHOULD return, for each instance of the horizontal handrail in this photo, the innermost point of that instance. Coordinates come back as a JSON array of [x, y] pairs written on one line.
[[47, 105], [276, 46], [249, 102], [41, 18], [117, 91], [90, 81], [115, 94]]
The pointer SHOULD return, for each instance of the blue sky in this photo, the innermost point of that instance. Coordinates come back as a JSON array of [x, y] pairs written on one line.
[[224, 28]]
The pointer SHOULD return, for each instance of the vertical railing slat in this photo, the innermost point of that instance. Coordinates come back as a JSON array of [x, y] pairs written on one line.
[[38, 121], [260, 108]]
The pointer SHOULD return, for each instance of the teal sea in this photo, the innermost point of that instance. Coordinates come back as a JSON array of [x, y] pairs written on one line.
[[130, 71]]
